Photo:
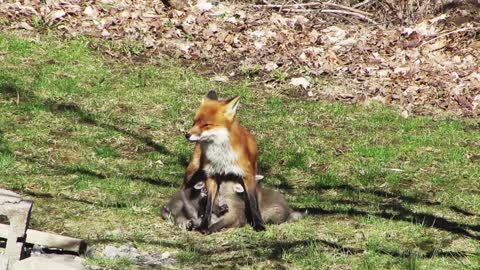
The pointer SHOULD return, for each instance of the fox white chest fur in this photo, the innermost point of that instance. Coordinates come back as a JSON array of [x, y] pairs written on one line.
[[221, 158]]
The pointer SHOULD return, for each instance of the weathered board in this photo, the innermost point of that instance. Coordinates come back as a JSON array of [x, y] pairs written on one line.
[[49, 240]]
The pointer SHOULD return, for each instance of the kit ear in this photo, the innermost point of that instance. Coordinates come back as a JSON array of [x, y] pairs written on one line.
[[238, 188], [232, 106], [199, 185], [212, 95]]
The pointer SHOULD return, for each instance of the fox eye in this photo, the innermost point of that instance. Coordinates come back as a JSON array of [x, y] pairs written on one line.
[[207, 125]]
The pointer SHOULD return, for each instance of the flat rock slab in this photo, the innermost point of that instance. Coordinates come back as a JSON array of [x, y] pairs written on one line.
[[7, 196], [139, 258], [50, 262]]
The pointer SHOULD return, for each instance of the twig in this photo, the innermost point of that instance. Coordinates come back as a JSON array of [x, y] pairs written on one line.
[[361, 4], [311, 4], [343, 17], [348, 13], [299, 10], [166, 3], [449, 33], [348, 8]]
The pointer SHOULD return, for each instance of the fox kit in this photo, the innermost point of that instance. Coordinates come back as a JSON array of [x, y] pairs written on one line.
[[230, 193], [185, 206], [273, 207], [223, 148]]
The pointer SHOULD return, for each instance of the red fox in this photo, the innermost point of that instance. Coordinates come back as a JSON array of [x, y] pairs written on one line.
[[223, 149]]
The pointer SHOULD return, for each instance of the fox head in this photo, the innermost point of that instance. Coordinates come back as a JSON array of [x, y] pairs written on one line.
[[213, 119]]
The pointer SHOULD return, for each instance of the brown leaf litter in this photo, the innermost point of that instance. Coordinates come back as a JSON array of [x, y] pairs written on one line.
[[418, 65]]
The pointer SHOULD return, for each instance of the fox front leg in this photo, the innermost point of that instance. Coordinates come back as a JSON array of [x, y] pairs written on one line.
[[212, 188], [193, 165], [251, 200]]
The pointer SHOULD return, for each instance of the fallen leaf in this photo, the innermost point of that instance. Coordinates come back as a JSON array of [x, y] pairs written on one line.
[[57, 14], [270, 66], [220, 78], [300, 81], [203, 6]]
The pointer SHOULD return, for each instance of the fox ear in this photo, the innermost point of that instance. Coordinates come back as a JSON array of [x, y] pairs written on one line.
[[212, 95], [238, 188], [199, 185], [232, 106], [258, 177]]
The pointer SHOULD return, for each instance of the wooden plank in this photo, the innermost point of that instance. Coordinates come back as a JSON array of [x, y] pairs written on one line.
[[49, 240]]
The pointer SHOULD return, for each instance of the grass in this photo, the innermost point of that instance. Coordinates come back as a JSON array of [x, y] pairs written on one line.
[[98, 144]]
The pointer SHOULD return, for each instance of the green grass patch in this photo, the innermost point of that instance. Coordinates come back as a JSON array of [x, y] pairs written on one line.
[[98, 144]]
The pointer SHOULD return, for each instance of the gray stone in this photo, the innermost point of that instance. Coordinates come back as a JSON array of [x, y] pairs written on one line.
[[110, 252], [139, 258], [129, 252], [156, 259]]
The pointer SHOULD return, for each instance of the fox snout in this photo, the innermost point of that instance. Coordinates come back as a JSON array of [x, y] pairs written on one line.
[[192, 137]]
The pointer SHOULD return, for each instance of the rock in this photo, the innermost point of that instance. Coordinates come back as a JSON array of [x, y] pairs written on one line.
[[129, 252], [134, 255], [110, 252], [158, 259]]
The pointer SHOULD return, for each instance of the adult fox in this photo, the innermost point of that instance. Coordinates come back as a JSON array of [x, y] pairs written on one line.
[[223, 149]]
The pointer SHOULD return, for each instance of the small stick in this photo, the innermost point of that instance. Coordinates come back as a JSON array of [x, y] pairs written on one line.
[[466, 29], [348, 13], [311, 4], [361, 3], [348, 8], [299, 10]]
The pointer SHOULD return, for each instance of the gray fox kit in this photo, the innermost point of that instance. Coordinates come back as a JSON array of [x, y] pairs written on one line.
[[273, 207]]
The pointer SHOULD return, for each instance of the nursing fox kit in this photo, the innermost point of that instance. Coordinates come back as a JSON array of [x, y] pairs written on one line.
[[229, 208], [223, 148]]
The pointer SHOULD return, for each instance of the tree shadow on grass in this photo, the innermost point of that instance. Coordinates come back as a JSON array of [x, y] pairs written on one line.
[[400, 213], [10, 90], [275, 250], [90, 118], [99, 175], [279, 248], [376, 192], [67, 198], [161, 243]]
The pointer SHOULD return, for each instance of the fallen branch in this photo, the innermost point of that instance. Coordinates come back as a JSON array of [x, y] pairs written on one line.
[[466, 29], [349, 13], [348, 8]]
